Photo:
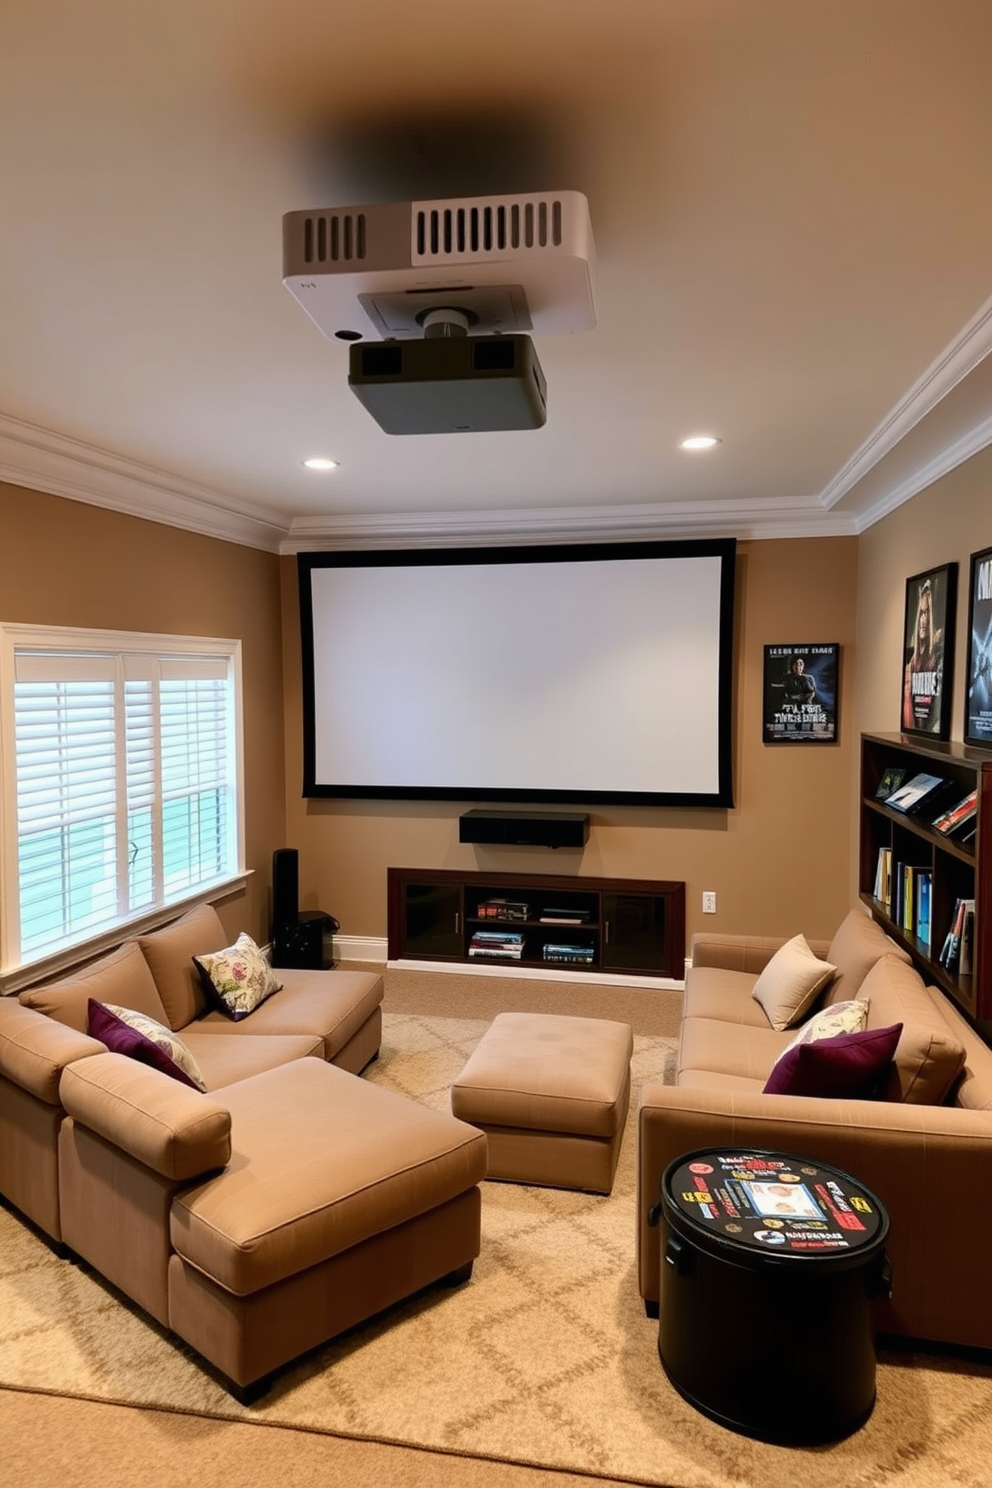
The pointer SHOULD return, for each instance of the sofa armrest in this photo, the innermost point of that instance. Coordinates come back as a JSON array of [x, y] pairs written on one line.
[[34, 1050], [914, 1158], [169, 1127]]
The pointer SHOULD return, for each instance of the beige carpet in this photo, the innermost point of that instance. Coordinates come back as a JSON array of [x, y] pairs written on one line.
[[545, 1358]]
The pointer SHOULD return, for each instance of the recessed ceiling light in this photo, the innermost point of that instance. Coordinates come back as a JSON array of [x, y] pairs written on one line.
[[698, 442], [319, 463]]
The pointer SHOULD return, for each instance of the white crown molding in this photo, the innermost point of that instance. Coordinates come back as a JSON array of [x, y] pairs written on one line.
[[977, 439], [767, 517], [959, 358], [44, 461]]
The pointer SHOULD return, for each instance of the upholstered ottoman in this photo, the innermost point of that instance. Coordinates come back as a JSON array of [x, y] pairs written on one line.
[[551, 1093]]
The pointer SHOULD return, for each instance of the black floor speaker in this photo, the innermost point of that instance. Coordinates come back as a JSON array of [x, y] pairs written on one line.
[[285, 888]]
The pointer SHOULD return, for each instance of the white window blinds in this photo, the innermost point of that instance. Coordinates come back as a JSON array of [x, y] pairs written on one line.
[[123, 783]]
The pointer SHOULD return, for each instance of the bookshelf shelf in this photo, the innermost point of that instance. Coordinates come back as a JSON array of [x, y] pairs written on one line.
[[956, 868], [623, 926]]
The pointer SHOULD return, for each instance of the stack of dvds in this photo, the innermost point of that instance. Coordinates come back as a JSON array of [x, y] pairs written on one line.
[[577, 955], [503, 909], [506, 945]]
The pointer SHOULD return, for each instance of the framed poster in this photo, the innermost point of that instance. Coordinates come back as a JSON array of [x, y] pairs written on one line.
[[800, 693], [978, 683], [928, 651]]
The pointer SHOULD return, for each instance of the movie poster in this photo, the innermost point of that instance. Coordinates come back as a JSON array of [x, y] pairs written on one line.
[[800, 694], [978, 698], [928, 652]]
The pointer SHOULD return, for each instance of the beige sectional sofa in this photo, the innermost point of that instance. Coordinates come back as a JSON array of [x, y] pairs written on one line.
[[263, 1216], [929, 1163]]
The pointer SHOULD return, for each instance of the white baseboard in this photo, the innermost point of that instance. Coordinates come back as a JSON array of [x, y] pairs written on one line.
[[374, 948], [539, 973]]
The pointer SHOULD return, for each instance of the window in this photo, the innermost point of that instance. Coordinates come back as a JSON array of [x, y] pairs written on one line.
[[121, 781]]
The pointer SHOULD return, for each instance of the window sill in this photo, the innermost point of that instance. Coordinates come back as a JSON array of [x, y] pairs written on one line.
[[63, 962]]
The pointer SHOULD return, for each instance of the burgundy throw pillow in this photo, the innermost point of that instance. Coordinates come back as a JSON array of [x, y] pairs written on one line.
[[142, 1038], [848, 1066]]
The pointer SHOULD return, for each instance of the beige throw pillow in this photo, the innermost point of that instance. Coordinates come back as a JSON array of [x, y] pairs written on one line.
[[791, 983]]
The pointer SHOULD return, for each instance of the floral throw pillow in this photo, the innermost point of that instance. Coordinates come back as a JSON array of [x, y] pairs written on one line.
[[140, 1037], [238, 978]]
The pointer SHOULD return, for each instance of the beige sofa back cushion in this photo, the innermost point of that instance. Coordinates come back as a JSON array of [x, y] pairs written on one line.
[[854, 950], [167, 1126], [169, 953], [121, 978], [929, 1056], [34, 1051]]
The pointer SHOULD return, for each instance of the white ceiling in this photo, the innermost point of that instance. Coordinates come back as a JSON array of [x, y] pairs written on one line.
[[792, 213]]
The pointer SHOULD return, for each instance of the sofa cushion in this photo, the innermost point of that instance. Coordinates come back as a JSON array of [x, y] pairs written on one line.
[[719, 1048], [855, 948], [281, 1206], [929, 1056], [791, 983], [846, 1065], [716, 992], [169, 953], [142, 1038], [238, 978], [224, 1059], [332, 1004], [121, 978]]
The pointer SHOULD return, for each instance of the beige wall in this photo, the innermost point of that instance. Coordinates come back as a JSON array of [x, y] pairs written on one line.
[[778, 860], [67, 563]]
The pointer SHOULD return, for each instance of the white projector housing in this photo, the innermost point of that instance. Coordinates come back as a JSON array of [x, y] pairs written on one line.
[[509, 264]]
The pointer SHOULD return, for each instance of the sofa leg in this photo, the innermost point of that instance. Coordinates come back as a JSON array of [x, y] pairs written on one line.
[[651, 1309], [459, 1276], [249, 1394]]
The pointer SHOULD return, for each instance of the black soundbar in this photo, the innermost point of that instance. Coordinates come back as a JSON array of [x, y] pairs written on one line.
[[524, 828]]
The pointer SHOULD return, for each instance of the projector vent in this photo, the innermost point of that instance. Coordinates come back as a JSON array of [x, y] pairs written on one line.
[[439, 233], [334, 237]]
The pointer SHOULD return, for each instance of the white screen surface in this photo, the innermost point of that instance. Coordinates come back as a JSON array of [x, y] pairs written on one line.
[[552, 674]]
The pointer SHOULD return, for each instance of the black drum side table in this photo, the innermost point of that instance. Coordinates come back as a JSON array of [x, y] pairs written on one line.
[[769, 1264]]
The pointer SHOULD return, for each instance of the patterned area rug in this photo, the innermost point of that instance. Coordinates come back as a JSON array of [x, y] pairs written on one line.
[[544, 1358]]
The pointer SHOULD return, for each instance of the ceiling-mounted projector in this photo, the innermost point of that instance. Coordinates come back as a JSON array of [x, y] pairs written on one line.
[[452, 287]]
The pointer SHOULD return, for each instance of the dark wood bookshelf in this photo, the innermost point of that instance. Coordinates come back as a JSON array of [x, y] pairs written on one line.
[[960, 869]]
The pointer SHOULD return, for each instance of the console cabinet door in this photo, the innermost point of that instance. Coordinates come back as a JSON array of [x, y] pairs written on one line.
[[433, 921], [634, 933]]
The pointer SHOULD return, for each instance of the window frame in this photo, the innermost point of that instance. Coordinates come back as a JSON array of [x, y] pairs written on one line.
[[15, 637]]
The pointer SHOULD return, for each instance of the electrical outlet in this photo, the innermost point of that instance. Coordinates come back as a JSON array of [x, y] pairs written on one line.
[[709, 902]]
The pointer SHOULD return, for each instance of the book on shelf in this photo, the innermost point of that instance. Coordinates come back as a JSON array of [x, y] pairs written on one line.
[[950, 951], [911, 796], [891, 780], [574, 953], [966, 965], [883, 877], [908, 895], [553, 916], [502, 909], [957, 816], [498, 937], [497, 953], [924, 895]]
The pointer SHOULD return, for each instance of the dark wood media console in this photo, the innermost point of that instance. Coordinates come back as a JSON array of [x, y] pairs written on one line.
[[623, 926]]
